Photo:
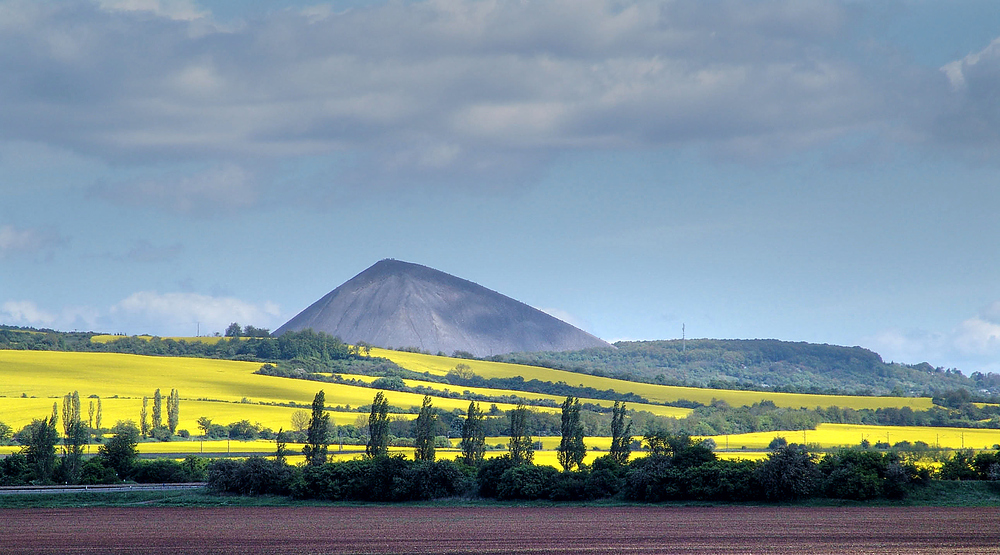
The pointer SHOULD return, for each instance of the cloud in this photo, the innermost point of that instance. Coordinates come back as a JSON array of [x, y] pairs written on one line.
[[146, 312], [972, 345], [443, 91], [184, 313], [971, 116], [27, 313], [144, 252], [227, 188], [18, 241]]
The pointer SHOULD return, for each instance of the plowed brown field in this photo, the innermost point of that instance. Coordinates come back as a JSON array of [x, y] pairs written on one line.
[[395, 529]]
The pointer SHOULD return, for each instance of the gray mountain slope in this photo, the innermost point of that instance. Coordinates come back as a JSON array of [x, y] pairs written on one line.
[[400, 304]]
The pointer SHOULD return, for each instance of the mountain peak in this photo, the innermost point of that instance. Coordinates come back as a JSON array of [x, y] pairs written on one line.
[[402, 304]]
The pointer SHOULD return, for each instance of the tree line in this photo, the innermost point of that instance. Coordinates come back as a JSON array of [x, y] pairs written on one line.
[[677, 467]]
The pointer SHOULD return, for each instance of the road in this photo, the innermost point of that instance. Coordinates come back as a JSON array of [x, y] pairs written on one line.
[[27, 490]]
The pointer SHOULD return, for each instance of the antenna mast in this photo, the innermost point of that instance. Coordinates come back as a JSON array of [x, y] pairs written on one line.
[[683, 338]]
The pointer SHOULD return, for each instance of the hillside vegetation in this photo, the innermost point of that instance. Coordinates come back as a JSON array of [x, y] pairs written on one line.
[[762, 364]]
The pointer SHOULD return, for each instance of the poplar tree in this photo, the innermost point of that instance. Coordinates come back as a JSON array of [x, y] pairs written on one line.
[[571, 449], [316, 447], [621, 434], [473, 436], [378, 427], [173, 410], [144, 417], [71, 411], [424, 431], [521, 447], [157, 409], [97, 420]]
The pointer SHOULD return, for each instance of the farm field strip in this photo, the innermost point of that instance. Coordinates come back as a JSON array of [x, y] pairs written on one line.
[[377, 528], [846, 435], [18, 412], [438, 365], [44, 373], [659, 410]]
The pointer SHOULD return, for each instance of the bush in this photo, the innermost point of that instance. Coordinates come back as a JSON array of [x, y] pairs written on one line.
[[489, 473], [526, 481], [14, 470], [383, 479], [252, 476], [606, 478], [94, 472], [789, 472], [570, 486]]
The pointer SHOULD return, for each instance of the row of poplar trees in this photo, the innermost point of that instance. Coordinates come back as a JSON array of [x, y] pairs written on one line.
[[570, 453], [173, 413]]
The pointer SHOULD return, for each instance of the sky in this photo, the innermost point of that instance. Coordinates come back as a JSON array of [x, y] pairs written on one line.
[[797, 170]]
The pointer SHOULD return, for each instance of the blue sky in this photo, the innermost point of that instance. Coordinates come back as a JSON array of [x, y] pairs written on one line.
[[805, 171]]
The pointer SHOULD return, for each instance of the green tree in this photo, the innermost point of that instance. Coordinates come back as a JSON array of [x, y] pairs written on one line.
[[316, 443], [173, 410], [204, 424], [39, 450], [71, 411], [473, 436], [77, 437], [121, 451], [790, 472], [378, 427], [424, 431], [621, 434], [280, 447], [157, 409], [97, 421], [571, 450], [6, 432], [521, 446], [144, 417], [234, 330]]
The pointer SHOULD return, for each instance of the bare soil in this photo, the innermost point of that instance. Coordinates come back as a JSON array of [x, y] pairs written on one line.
[[407, 529]]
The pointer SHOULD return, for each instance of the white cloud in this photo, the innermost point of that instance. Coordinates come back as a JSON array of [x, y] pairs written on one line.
[[226, 187], [15, 240], [433, 90], [27, 313], [184, 10], [147, 312], [181, 313], [972, 345]]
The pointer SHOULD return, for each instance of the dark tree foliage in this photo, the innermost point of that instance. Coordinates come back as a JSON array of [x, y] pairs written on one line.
[[621, 435], [521, 447], [473, 443], [316, 443], [252, 476], [423, 431], [39, 439], [378, 427], [572, 449], [157, 409], [120, 453], [790, 472], [382, 479], [866, 474]]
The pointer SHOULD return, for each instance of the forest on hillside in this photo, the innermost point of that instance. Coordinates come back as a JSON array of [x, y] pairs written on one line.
[[763, 364]]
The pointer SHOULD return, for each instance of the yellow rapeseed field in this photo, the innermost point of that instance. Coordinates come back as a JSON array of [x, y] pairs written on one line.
[[659, 410], [30, 381], [847, 435], [438, 365]]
